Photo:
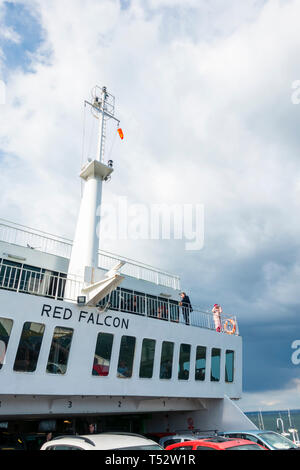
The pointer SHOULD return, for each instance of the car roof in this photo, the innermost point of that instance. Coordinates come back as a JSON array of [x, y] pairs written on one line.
[[102, 441], [248, 431], [223, 443], [184, 435]]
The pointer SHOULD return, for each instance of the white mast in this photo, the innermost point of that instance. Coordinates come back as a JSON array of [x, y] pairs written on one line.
[[84, 257]]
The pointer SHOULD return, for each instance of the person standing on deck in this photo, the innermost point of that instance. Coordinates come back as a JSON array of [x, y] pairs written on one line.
[[217, 310], [186, 307]]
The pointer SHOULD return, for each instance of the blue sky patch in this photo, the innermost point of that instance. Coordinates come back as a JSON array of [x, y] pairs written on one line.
[[125, 4], [26, 25]]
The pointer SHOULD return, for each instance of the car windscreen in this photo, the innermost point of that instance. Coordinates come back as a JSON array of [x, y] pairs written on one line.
[[246, 447], [277, 441]]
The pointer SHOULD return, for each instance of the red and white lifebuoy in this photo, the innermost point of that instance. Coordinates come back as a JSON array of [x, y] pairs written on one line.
[[230, 330]]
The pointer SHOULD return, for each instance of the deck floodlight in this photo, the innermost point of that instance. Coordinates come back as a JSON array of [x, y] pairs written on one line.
[[81, 300]]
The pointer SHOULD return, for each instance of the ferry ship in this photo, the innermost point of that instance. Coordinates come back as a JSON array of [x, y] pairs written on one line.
[[89, 336]]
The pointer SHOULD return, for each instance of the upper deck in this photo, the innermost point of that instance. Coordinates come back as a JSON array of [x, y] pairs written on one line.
[[146, 291], [58, 246]]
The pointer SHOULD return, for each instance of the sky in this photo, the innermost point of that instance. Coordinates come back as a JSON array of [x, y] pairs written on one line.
[[207, 95]]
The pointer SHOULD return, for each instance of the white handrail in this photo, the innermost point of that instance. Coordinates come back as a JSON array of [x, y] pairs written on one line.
[[46, 284], [27, 237]]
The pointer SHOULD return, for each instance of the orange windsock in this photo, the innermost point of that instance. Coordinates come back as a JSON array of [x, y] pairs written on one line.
[[121, 133]]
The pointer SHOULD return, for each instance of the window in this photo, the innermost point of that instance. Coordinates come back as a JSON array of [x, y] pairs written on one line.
[[215, 364], [205, 448], [29, 347], [126, 357], [147, 358], [53, 284], [170, 442], [102, 354], [162, 309], [5, 331], [200, 363], [126, 297], [59, 351], [31, 280], [152, 306], [10, 274], [166, 360], [248, 437], [63, 447], [174, 311], [139, 302], [183, 448], [229, 366], [115, 299], [245, 447], [184, 362]]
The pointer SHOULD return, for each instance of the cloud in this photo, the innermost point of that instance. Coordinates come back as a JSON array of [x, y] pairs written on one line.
[[285, 398]]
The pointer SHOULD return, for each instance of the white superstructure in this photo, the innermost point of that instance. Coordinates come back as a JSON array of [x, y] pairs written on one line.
[[86, 333]]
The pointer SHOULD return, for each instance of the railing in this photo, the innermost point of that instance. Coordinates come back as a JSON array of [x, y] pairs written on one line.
[[167, 310], [38, 282], [46, 284], [58, 246]]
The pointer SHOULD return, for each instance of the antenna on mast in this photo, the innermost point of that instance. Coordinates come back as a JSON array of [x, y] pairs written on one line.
[[103, 109]]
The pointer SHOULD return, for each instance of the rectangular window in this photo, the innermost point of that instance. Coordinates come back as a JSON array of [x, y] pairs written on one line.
[[166, 360], [29, 347], [229, 366], [59, 351], [102, 354], [31, 280], [184, 362], [162, 309], [53, 284], [139, 302], [152, 306], [126, 356], [115, 299], [147, 358], [174, 311], [126, 297], [5, 331], [200, 363], [10, 274], [215, 364]]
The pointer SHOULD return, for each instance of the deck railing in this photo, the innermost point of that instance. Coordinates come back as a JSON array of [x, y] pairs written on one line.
[[39, 282], [59, 246], [47, 284]]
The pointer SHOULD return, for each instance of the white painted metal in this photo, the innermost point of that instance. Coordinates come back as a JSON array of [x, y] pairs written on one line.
[[78, 391], [79, 380], [20, 236]]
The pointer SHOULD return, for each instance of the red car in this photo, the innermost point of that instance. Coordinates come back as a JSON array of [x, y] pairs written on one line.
[[216, 443]]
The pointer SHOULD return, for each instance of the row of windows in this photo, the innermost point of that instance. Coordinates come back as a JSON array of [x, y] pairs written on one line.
[[30, 345], [32, 336]]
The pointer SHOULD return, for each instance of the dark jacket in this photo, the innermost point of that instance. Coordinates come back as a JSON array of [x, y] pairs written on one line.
[[185, 302]]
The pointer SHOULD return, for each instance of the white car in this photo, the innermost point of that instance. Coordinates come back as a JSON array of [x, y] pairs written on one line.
[[103, 441]]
